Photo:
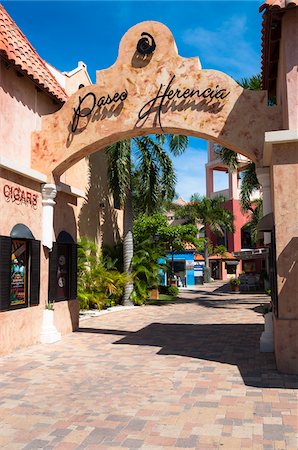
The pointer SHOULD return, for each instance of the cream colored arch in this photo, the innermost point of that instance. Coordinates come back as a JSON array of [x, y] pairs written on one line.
[[152, 90]]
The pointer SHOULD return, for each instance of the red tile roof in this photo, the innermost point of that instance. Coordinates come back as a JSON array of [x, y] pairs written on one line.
[[189, 246], [16, 48], [228, 255], [199, 257], [278, 4]]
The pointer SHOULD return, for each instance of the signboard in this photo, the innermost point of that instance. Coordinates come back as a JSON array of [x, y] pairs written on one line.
[[20, 196], [189, 264]]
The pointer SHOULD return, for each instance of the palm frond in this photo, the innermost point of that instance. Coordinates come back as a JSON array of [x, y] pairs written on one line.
[[228, 157], [253, 83], [249, 185]]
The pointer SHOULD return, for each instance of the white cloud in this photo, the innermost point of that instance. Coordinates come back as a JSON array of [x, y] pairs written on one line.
[[226, 48]]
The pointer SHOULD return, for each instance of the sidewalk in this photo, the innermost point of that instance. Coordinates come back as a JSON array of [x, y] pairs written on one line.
[[182, 375]]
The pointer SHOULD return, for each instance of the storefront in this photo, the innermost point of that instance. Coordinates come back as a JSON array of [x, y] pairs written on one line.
[[33, 274]]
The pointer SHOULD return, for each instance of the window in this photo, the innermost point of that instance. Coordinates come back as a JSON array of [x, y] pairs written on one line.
[[63, 269], [19, 273], [231, 269], [19, 269]]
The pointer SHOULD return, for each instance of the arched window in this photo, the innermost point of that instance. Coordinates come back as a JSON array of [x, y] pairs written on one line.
[[19, 269], [63, 268]]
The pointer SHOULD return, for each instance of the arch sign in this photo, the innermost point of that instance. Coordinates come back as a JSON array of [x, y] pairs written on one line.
[[152, 90]]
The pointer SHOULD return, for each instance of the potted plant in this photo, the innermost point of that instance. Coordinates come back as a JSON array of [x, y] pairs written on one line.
[[49, 333], [235, 284]]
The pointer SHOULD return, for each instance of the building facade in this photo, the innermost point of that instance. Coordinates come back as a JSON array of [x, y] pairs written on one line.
[[31, 274], [240, 246]]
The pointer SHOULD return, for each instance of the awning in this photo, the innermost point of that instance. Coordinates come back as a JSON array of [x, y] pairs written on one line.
[[232, 263], [266, 223], [21, 231]]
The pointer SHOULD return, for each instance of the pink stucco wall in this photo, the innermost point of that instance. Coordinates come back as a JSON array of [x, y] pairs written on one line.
[[22, 106]]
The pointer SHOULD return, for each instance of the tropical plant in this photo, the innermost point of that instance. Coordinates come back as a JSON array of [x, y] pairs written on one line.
[[156, 228], [256, 213], [145, 270], [98, 280], [213, 215], [173, 291], [220, 250], [228, 157], [250, 183], [252, 83], [235, 282], [143, 164]]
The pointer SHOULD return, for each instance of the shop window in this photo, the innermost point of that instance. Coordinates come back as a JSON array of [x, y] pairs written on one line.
[[231, 269], [19, 269], [63, 269]]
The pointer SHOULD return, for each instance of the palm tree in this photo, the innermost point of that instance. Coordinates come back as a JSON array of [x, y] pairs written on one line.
[[212, 214], [256, 209], [141, 163], [250, 181]]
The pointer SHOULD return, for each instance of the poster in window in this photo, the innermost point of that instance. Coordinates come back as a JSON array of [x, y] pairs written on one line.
[[62, 272], [18, 294]]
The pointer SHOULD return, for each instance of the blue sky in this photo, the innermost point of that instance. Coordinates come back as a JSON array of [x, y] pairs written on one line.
[[225, 36]]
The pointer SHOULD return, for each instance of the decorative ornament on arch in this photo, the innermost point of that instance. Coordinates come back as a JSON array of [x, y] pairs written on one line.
[[151, 89]]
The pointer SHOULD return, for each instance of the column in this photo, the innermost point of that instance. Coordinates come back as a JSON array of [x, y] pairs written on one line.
[[285, 196], [263, 175], [48, 192], [209, 182]]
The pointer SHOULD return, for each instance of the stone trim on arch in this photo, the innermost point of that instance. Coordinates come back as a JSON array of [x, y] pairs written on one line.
[[153, 90]]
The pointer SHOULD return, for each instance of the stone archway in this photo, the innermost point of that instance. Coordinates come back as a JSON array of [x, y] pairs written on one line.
[[153, 93], [152, 90]]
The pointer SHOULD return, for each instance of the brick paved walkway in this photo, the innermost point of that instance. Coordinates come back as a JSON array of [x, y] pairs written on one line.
[[184, 375]]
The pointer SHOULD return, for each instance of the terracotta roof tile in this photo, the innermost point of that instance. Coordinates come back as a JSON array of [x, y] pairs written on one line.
[[16, 48], [199, 257], [278, 4], [228, 255], [189, 246]]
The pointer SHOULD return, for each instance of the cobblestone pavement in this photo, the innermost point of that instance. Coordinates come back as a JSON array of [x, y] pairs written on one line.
[[182, 375]]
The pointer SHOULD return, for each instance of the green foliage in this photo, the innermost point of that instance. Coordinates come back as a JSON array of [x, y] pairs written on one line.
[[228, 157], [173, 290], [256, 213], [98, 280], [143, 166], [156, 228], [50, 305], [252, 83], [249, 185], [220, 250], [145, 270], [235, 282], [210, 212]]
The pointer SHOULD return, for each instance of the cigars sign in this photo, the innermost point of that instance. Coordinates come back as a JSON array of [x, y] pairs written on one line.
[[20, 196], [168, 98]]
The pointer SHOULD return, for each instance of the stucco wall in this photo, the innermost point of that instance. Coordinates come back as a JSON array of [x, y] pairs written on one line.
[[21, 106]]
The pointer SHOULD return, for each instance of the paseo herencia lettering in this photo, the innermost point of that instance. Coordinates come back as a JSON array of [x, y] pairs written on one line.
[[89, 104], [160, 103]]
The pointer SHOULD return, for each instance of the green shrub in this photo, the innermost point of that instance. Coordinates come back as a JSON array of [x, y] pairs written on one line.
[[235, 282], [99, 283], [163, 289], [173, 290]]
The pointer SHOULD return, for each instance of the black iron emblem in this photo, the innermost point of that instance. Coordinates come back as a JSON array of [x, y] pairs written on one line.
[[146, 44]]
